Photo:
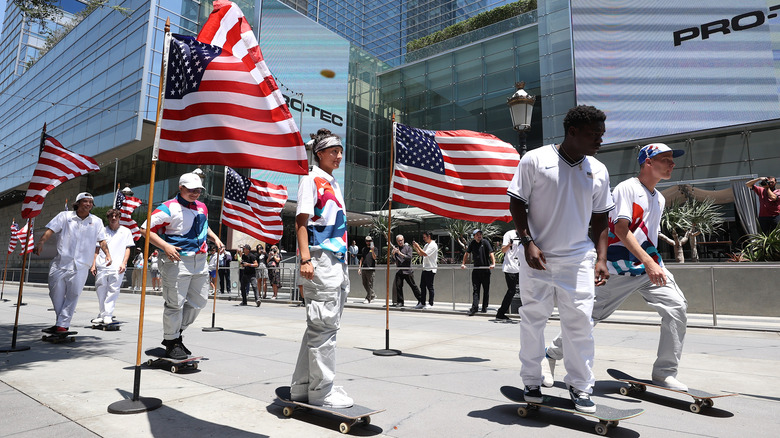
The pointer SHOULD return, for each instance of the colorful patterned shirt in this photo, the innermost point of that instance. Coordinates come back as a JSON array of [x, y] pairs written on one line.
[[319, 197], [183, 224]]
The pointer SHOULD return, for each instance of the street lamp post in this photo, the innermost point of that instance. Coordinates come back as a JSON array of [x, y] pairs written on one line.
[[521, 107]]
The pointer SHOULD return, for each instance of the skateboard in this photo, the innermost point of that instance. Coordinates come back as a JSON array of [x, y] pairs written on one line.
[[355, 415], [701, 399], [608, 417], [59, 338], [112, 327], [173, 365]]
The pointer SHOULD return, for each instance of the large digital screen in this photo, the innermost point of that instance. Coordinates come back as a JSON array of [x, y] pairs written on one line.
[[311, 66], [665, 67]]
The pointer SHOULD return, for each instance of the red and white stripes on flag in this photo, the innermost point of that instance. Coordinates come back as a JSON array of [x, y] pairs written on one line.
[[13, 238], [22, 236], [456, 174], [222, 105], [253, 207], [129, 204], [55, 166]]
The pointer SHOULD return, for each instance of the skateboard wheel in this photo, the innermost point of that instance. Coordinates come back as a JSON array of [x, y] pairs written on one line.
[[642, 388], [287, 411], [624, 390], [366, 420], [523, 412], [72, 339], [344, 428], [195, 366], [601, 429], [707, 403], [174, 369], [695, 408]]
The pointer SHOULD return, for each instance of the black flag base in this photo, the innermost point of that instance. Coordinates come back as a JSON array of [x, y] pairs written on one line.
[[387, 352], [14, 349], [129, 406], [212, 329]]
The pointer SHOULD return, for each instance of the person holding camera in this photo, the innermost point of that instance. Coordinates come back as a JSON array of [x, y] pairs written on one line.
[[769, 201]]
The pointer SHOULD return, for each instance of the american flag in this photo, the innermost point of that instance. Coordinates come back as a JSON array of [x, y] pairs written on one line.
[[253, 207], [222, 105], [13, 238], [55, 166], [22, 236], [126, 205], [455, 174]]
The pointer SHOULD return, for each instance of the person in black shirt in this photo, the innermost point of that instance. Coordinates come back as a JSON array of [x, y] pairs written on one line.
[[248, 278], [368, 261], [482, 254]]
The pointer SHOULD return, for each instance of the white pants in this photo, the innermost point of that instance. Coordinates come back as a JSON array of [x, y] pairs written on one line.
[[325, 296], [572, 284], [185, 290], [667, 300], [107, 284], [65, 286]]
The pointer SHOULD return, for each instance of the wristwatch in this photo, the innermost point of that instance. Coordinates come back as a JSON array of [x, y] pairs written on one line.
[[525, 240]]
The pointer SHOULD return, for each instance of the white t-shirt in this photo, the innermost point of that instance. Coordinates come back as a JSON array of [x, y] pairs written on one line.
[[512, 255], [118, 241], [76, 240], [431, 260], [561, 198], [643, 209]]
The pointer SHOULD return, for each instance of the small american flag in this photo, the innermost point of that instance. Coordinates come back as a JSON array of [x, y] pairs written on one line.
[[55, 166], [455, 174], [126, 205], [22, 236], [253, 207], [222, 105], [13, 238]]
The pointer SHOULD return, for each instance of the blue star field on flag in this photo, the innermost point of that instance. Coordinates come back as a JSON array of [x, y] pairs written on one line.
[[418, 148], [237, 187], [120, 199], [188, 59]]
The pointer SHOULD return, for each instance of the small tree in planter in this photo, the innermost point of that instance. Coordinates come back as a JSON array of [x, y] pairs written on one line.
[[762, 247], [686, 222]]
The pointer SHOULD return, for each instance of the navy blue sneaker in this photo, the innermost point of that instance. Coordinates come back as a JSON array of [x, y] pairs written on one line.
[[581, 400], [532, 394]]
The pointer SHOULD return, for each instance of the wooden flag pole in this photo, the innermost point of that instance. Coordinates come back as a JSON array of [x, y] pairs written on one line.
[[387, 351], [14, 347], [5, 268], [214, 309], [140, 404]]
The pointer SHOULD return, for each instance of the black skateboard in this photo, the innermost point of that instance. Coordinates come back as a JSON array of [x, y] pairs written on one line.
[[701, 399], [112, 327], [173, 365], [59, 338], [355, 415], [608, 417]]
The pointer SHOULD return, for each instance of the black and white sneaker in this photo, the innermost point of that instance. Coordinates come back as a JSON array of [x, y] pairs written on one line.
[[532, 394], [581, 400], [174, 350]]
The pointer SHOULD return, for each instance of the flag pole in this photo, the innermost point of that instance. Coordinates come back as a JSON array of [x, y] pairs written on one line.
[[387, 351], [14, 347], [214, 309], [139, 404], [5, 268]]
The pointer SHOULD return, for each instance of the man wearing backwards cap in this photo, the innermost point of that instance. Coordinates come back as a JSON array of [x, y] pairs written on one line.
[[636, 266], [78, 231], [179, 227]]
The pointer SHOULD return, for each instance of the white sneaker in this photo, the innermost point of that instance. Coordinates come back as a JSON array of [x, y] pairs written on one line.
[[98, 320], [427, 307], [366, 301], [108, 320], [548, 371], [337, 398], [670, 382]]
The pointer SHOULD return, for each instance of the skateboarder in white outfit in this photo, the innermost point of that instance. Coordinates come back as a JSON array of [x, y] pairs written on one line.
[[556, 192], [636, 265], [108, 278]]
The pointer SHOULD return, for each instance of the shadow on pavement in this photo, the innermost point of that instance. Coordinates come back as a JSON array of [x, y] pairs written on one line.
[[464, 359], [85, 344], [244, 332]]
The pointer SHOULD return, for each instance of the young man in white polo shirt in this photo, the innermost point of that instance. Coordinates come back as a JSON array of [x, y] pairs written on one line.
[[513, 251], [430, 261], [78, 231], [636, 266], [557, 191], [108, 278]]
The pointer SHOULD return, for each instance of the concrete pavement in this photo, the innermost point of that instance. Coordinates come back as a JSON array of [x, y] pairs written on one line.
[[444, 384]]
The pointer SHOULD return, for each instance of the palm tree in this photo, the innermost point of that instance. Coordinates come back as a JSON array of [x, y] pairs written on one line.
[[379, 225], [460, 231], [686, 222]]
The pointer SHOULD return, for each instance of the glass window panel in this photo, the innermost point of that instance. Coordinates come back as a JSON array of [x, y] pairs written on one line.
[[763, 144], [468, 70], [439, 78], [468, 54], [500, 81], [440, 96], [440, 63], [499, 44], [469, 88], [719, 149], [499, 61]]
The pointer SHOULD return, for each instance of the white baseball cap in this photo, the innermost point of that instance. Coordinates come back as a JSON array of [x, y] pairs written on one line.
[[191, 181], [83, 195]]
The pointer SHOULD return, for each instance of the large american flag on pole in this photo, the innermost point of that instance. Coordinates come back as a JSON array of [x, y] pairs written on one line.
[[253, 207], [222, 105], [456, 174], [126, 206], [55, 166], [13, 238]]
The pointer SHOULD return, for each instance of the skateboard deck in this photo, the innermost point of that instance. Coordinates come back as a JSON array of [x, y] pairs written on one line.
[[114, 326], [173, 365], [608, 417], [355, 415], [59, 338], [701, 399]]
